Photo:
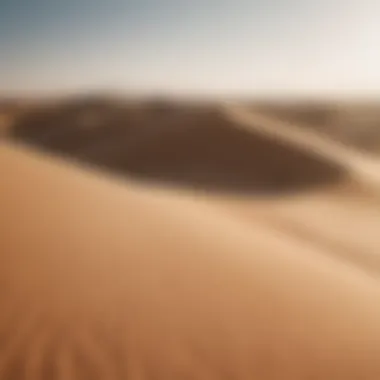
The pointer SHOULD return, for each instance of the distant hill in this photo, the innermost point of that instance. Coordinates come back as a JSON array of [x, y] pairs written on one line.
[[180, 143]]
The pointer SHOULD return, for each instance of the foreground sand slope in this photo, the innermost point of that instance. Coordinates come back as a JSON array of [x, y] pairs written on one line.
[[344, 222], [112, 281]]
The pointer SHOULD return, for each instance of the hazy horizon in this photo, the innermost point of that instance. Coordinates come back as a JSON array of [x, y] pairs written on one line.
[[198, 48]]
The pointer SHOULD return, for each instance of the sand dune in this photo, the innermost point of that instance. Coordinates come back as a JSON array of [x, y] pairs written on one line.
[[364, 167], [354, 123], [344, 217], [116, 278], [184, 146], [108, 279]]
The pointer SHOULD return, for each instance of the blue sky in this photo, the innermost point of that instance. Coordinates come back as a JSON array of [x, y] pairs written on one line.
[[245, 47]]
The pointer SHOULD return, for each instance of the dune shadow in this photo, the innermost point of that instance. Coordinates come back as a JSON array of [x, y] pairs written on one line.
[[181, 146]]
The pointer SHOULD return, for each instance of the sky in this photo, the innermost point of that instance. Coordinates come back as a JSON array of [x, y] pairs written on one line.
[[191, 47]]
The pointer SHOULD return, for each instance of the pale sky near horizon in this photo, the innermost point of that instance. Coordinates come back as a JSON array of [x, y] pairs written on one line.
[[242, 47]]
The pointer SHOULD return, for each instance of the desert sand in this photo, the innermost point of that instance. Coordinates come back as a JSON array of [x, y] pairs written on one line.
[[166, 273]]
